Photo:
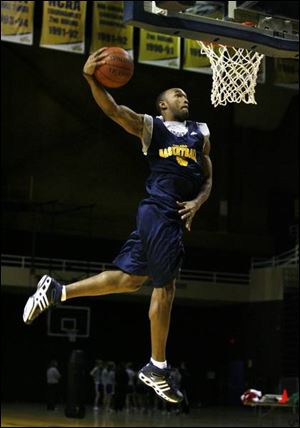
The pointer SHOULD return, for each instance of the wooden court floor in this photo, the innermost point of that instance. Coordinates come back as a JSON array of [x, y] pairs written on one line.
[[35, 415]]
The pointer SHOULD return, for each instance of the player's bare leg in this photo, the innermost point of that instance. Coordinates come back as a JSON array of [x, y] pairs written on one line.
[[107, 282], [160, 315], [50, 292]]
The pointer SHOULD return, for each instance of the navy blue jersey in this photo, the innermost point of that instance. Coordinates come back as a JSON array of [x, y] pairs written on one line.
[[155, 248], [175, 162]]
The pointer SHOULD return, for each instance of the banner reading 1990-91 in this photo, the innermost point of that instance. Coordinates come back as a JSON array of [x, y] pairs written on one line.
[[63, 25], [17, 21], [159, 49], [108, 26]]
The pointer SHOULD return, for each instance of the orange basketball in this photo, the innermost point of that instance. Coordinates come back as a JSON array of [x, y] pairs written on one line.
[[118, 69]]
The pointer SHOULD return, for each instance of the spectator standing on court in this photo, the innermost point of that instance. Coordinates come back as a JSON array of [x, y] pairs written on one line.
[[96, 373], [121, 383], [131, 401], [108, 379], [53, 379]]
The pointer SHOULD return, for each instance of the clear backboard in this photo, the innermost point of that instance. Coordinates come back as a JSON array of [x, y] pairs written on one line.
[[68, 321]]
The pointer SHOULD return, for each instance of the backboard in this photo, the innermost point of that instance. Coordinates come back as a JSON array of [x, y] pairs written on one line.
[[69, 321], [270, 28]]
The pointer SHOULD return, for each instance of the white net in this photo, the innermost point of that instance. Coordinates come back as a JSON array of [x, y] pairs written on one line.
[[234, 73]]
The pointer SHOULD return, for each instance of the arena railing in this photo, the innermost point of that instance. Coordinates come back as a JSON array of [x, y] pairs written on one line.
[[288, 258], [90, 267]]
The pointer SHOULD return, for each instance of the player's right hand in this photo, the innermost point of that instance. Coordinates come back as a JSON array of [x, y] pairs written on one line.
[[187, 212], [94, 60]]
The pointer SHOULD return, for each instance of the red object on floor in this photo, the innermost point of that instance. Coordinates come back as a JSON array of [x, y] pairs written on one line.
[[284, 397]]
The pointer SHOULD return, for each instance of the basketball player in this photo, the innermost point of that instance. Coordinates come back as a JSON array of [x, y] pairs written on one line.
[[179, 184]]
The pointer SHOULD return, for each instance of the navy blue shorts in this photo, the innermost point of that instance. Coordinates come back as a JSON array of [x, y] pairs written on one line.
[[155, 248]]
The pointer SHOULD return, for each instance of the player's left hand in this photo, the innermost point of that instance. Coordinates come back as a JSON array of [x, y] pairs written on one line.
[[94, 60], [187, 211]]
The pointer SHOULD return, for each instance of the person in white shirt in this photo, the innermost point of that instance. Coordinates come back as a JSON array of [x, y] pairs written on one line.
[[53, 379], [108, 380], [131, 401], [96, 373]]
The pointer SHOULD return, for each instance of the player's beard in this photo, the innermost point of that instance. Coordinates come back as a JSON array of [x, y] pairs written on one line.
[[182, 115]]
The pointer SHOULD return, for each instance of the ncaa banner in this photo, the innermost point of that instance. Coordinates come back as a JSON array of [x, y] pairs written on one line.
[[63, 25], [17, 21], [108, 27], [159, 49]]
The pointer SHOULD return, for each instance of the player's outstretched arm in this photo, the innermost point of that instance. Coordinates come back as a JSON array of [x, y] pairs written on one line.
[[129, 120]]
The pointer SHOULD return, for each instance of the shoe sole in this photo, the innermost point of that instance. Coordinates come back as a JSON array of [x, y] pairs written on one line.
[[30, 304], [152, 384]]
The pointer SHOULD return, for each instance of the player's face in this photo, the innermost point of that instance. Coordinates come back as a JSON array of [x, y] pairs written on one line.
[[178, 104]]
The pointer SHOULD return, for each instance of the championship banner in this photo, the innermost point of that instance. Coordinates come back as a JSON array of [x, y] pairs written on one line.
[[286, 73], [193, 59], [63, 25], [159, 49], [17, 21], [108, 27]]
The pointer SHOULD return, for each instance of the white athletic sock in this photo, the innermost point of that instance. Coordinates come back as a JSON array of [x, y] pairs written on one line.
[[63, 294], [159, 364]]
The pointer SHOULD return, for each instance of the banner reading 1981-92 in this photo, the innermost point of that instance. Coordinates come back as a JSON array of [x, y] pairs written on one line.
[[159, 49], [109, 28], [63, 25], [17, 21]]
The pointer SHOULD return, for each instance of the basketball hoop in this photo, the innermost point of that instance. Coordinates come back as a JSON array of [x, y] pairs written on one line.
[[234, 72]]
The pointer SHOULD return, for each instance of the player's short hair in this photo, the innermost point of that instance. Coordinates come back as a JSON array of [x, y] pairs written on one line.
[[160, 98]]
